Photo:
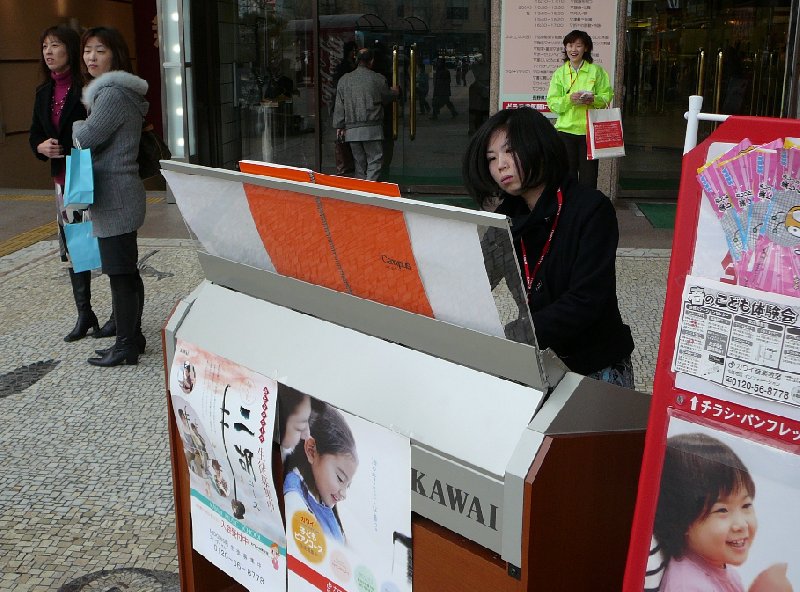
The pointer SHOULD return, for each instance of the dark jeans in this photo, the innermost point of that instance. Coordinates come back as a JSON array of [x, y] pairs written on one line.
[[584, 170]]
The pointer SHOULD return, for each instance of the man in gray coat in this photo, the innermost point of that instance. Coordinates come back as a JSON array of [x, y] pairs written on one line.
[[358, 114]]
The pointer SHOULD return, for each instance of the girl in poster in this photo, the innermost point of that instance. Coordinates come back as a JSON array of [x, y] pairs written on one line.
[[319, 472], [705, 519]]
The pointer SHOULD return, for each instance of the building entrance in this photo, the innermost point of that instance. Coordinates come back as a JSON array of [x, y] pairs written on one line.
[[732, 52], [284, 62]]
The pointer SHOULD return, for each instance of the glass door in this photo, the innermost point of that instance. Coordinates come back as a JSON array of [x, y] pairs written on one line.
[[732, 52], [440, 48], [269, 71]]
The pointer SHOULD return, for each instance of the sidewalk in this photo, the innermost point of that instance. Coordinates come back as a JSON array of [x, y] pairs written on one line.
[[85, 494]]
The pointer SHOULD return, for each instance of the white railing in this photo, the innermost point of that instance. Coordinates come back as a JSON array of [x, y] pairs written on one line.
[[693, 117]]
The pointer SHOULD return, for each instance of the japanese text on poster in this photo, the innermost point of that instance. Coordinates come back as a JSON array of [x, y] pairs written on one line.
[[531, 46], [742, 339], [226, 420]]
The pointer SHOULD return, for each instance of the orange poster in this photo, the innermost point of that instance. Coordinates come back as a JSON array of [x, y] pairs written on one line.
[[290, 226], [374, 253]]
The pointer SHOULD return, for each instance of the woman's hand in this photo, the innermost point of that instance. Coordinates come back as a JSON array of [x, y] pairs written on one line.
[[582, 97], [50, 148], [772, 579]]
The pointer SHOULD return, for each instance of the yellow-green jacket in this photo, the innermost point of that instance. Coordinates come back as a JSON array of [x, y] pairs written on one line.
[[590, 77]]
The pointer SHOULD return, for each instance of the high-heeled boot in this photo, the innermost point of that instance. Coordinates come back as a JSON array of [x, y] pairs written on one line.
[[109, 328], [82, 292], [125, 297], [139, 338]]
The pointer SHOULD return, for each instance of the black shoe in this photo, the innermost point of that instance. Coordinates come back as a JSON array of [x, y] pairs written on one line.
[[107, 330], [121, 353], [140, 340], [86, 321]]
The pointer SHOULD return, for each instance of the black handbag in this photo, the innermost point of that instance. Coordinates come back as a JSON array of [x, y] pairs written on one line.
[[151, 149]]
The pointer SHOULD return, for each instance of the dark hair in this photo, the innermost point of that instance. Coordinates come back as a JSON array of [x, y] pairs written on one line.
[[115, 42], [289, 400], [365, 56], [698, 470], [331, 435], [576, 35], [539, 152], [72, 42]]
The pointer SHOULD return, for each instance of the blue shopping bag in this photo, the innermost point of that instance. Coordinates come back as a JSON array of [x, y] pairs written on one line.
[[79, 182], [84, 251]]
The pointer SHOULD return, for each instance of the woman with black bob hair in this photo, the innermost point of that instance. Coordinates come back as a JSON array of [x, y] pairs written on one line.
[[565, 237]]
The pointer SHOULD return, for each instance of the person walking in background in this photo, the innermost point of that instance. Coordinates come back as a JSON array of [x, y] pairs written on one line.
[[441, 89], [56, 107], [575, 87], [341, 150], [479, 92], [116, 107], [358, 114]]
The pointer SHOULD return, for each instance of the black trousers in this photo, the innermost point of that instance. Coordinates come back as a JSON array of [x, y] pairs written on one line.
[[119, 257], [584, 170]]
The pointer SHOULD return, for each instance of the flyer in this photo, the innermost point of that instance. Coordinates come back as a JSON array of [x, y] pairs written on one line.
[[347, 500], [226, 417], [743, 485], [742, 339]]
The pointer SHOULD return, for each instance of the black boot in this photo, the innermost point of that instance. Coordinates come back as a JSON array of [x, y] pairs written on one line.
[[139, 340], [107, 330], [82, 292], [125, 297]]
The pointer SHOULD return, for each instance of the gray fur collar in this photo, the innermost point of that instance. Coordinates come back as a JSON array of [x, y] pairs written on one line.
[[114, 78]]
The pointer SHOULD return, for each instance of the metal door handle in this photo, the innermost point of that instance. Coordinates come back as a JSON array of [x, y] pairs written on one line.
[[701, 70], [718, 82], [412, 83], [395, 109]]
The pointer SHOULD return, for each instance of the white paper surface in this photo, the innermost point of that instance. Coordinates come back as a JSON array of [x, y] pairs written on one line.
[[458, 293], [219, 215], [711, 250], [745, 340]]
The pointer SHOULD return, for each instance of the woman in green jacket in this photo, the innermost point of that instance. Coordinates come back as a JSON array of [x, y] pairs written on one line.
[[575, 87]]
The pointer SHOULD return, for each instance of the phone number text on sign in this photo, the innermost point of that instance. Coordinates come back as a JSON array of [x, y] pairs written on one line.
[[745, 340]]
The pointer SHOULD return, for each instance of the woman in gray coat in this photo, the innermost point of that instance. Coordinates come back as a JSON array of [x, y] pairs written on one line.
[[114, 99]]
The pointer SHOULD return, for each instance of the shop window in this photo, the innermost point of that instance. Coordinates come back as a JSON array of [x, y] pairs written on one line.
[[457, 10]]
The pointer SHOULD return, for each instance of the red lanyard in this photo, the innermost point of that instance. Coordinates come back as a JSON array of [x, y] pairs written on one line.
[[529, 277]]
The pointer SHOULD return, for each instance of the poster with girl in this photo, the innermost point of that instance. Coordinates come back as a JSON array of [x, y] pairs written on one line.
[[724, 518], [226, 416], [347, 499]]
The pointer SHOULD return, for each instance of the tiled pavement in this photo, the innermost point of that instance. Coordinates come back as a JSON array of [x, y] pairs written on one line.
[[85, 487]]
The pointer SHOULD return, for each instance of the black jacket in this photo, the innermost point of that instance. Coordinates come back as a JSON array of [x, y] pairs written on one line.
[[573, 299], [42, 126]]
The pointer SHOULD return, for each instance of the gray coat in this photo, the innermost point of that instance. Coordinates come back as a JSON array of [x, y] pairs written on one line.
[[116, 105], [360, 95]]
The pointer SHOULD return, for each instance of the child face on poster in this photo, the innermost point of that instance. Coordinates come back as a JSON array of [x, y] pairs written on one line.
[[705, 506], [333, 473], [725, 534]]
